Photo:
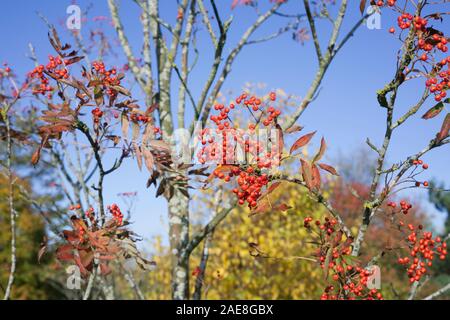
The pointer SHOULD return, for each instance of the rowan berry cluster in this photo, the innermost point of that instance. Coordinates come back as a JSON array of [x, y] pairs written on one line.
[[390, 3], [423, 249], [404, 206], [116, 213], [56, 66], [220, 145], [139, 118], [439, 84], [355, 289], [97, 114], [350, 281], [107, 78]]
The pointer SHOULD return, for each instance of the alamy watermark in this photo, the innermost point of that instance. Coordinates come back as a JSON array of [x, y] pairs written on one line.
[[73, 21]]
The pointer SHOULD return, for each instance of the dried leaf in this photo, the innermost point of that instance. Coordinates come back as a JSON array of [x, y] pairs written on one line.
[[148, 133], [138, 153], [135, 130], [160, 145], [125, 125], [293, 129], [148, 158]]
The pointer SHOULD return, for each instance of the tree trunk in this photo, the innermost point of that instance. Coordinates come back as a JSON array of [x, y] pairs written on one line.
[[179, 238]]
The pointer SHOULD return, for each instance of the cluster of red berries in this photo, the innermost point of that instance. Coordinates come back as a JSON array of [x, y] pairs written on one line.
[[423, 249], [250, 183], [390, 3], [355, 289], [108, 78], [139, 118], [249, 177], [404, 206], [56, 66], [224, 151], [97, 114], [75, 207], [116, 213], [350, 280], [439, 85], [404, 20]]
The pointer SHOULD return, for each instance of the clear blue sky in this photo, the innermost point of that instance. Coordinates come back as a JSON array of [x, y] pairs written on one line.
[[346, 111]]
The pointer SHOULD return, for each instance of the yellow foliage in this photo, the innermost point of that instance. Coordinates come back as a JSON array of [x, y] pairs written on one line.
[[234, 272]]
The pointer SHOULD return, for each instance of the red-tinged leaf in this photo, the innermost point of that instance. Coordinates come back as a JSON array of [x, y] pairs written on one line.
[[273, 186], [36, 156], [263, 206], [105, 269], [316, 180], [328, 168], [323, 147], [86, 258], [294, 128], [279, 139], [444, 129], [362, 6], [80, 265], [64, 253], [71, 236], [434, 111], [306, 173], [302, 141], [282, 207]]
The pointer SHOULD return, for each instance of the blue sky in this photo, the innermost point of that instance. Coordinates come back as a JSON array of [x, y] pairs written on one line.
[[346, 111]]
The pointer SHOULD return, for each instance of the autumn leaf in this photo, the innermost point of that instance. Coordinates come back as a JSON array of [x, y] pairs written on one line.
[[316, 181], [148, 158], [294, 128], [362, 6], [36, 156], [328, 168], [319, 155], [302, 141], [282, 207], [435, 110], [306, 173], [444, 129], [125, 125]]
